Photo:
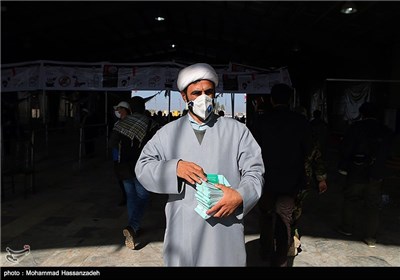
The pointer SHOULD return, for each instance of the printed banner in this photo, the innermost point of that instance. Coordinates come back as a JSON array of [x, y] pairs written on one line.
[[72, 78], [149, 78], [22, 78], [49, 75]]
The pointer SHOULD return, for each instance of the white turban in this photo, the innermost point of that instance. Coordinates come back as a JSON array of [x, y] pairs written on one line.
[[195, 72]]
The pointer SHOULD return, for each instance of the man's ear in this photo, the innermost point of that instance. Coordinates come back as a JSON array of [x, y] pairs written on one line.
[[184, 97]]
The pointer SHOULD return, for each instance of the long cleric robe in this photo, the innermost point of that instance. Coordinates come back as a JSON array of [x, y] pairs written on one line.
[[228, 148]]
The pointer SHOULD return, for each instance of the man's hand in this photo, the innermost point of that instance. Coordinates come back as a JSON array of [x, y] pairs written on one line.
[[322, 186], [190, 172], [228, 203]]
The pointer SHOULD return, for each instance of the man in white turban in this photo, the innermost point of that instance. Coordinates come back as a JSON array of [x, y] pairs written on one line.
[[184, 154]]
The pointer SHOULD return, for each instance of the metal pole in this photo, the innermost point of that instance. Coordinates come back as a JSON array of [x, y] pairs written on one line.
[[106, 106], [32, 159], [80, 147], [44, 106], [294, 97], [46, 136], [233, 104], [46, 129], [106, 120], [168, 91]]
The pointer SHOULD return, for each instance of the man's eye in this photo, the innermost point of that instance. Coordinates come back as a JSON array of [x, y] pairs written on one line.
[[209, 91]]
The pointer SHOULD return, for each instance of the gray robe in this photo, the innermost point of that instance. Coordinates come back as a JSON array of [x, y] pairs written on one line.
[[228, 148]]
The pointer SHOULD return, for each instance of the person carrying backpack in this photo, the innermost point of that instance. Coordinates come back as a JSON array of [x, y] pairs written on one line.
[[365, 148], [129, 135]]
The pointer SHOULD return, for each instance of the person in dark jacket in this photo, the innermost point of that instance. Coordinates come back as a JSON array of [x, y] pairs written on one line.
[[364, 150], [316, 179], [129, 135], [285, 138]]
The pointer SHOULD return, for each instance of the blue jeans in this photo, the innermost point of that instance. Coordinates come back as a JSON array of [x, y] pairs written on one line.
[[136, 200]]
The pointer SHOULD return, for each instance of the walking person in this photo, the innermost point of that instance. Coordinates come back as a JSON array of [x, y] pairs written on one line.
[[121, 110], [286, 142], [180, 158], [129, 135], [316, 179], [365, 148]]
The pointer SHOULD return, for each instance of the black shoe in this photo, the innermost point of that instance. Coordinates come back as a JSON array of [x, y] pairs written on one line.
[[344, 232], [130, 236], [371, 242]]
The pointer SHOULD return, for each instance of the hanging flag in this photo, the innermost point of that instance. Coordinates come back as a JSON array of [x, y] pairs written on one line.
[[151, 97]]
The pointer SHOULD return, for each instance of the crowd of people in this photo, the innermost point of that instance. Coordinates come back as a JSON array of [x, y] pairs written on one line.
[[271, 165]]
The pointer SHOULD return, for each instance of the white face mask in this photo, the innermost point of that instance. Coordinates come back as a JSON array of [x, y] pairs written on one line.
[[117, 114], [202, 106]]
